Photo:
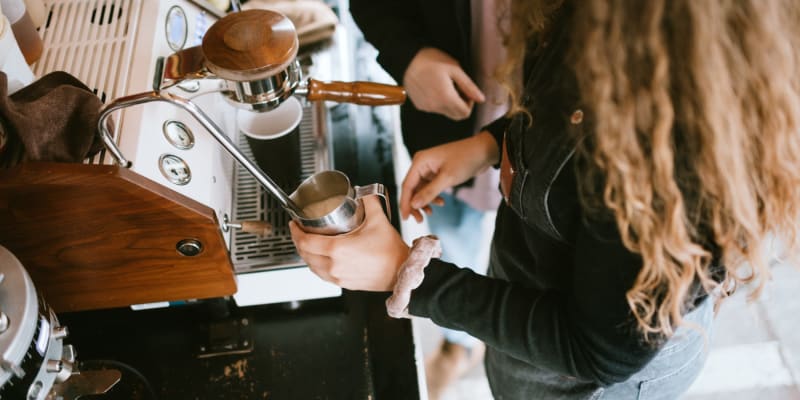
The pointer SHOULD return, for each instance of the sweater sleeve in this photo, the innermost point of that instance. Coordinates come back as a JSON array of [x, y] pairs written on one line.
[[497, 129], [585, 331], [393, 28]]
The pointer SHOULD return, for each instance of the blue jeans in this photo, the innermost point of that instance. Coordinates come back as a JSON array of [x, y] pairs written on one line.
[[677, 364], [665, 377], [458, 227]]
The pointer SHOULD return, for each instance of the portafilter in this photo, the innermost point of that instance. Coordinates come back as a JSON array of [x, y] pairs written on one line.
[[254, 52]]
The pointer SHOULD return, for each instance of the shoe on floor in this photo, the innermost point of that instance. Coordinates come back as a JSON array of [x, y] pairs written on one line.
[[447, 364]]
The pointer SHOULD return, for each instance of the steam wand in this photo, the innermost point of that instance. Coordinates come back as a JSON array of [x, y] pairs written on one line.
[[147, 97]]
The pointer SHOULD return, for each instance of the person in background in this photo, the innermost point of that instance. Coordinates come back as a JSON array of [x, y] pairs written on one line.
[[445, 54], [651, 152]]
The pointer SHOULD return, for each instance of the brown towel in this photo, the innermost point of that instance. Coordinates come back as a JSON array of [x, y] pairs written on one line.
[[52, 119], [313, 20]]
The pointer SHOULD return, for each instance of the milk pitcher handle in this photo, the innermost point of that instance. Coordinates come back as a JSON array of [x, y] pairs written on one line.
[[376, 189]]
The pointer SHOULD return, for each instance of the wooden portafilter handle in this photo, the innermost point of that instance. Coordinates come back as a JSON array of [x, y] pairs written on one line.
[[364, 93]]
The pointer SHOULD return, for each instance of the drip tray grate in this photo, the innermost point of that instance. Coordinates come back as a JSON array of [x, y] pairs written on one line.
[[252, 253]]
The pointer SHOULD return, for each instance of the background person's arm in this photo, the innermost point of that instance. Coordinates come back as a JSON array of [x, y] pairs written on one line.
[[394, 28], [434, 80]]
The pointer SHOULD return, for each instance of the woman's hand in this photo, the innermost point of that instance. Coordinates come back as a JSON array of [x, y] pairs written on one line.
[[365, 259], [436, 83], [438, 168]]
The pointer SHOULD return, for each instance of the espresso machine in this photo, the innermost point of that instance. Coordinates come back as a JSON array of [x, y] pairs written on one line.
[[105, 240], [161, 210]]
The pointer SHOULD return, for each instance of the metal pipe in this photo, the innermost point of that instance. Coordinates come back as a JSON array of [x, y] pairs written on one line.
[[207, 123]]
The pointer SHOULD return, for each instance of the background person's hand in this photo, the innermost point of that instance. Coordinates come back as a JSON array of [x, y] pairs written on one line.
[[438, 168], [365, 259], [436, 83]]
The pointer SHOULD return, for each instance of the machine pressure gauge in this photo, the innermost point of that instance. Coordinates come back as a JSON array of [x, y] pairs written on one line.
[[174, 169], [189, 86], [176, 28], [178, 134]]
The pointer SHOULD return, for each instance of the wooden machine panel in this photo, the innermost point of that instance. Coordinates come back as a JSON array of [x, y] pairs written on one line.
[[97, 236]]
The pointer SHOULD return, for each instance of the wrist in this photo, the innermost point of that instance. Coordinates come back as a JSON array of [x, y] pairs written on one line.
[[488, 147], [410, 274], [400, 257], [412, 64]]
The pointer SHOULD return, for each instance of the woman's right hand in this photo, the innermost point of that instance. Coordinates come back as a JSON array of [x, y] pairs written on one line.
[[438, 168]]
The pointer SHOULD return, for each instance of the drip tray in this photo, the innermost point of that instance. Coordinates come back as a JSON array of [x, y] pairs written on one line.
[[251, 253]]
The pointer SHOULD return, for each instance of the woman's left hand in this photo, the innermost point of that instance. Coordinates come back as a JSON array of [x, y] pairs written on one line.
[[365, 259]]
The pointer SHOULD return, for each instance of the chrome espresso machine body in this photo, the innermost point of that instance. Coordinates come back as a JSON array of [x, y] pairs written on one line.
[[115, 47]]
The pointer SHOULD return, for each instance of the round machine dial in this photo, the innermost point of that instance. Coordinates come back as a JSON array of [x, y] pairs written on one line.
[[174, 169], [190, 86], [178, 134], [177, 28]]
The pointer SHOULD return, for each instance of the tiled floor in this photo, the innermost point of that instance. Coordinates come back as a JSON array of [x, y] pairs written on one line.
[[755, 352]]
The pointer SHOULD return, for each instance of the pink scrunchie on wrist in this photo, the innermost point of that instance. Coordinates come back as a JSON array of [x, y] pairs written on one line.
[[411, 274]]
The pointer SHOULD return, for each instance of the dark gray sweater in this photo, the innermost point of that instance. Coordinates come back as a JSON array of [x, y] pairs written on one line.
[[555, 298]]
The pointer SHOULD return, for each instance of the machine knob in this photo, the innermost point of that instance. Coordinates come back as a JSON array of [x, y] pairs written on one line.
[[60, 332], [54, 366], [68, 353]]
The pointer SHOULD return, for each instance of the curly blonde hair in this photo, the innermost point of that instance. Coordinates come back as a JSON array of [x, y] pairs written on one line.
[[694, 139]]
